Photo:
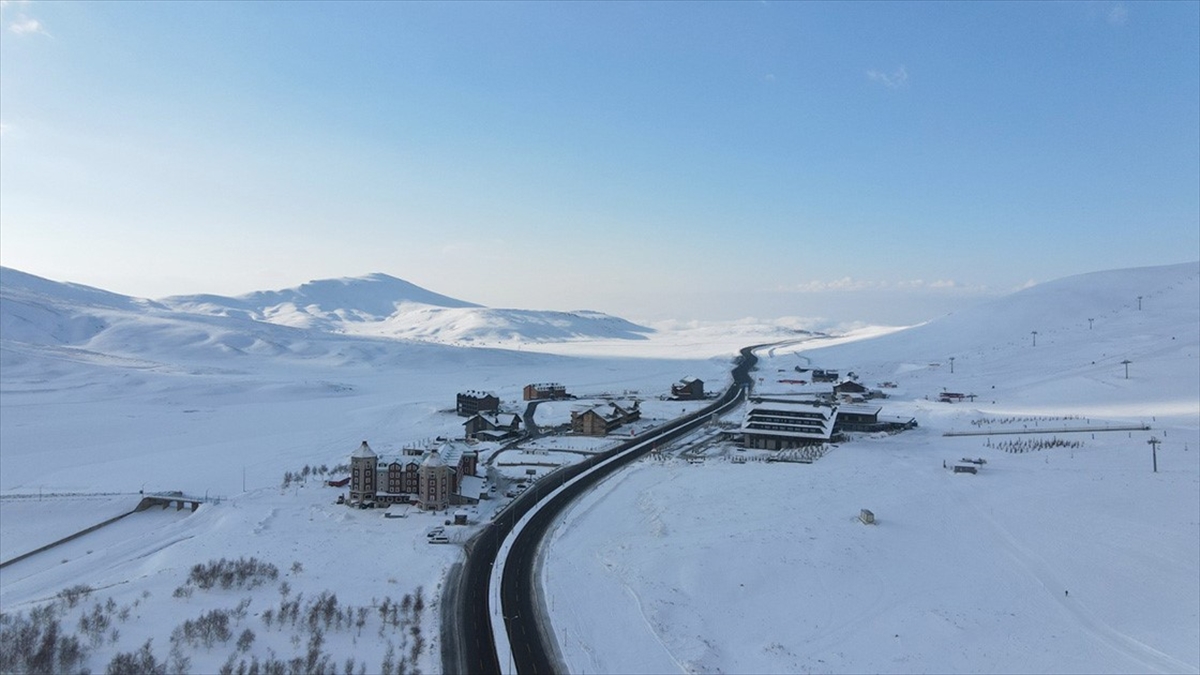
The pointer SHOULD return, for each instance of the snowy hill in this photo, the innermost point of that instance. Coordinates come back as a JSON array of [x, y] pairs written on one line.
[[1074, 360], [379, 305], [1057, 310], [498, 326], [322, 304], [1067, 552], [37, 310]]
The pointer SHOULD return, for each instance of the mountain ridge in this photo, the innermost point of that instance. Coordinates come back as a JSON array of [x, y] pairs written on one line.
[[376, 305]]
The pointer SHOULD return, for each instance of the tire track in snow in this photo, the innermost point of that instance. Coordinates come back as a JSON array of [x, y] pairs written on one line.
[[572, 518], [651, 628], [1037, 567]]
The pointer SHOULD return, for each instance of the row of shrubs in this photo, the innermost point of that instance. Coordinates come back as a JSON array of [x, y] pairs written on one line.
[[302, 475], [986, 421], [240, 573], [1033, 444]]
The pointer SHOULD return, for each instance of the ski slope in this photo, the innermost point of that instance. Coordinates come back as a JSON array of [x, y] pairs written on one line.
[[1060, 560]]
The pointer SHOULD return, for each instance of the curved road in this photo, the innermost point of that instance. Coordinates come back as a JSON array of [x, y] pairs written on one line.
[[467, 645]]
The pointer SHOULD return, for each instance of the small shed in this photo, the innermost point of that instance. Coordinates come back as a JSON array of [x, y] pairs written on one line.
[[866, 517], [965, 468]]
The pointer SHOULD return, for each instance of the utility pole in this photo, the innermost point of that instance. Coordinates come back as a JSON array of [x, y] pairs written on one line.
[[1154, 442], [1090, 323], [1126, 363], [1034, 338], [951, 365], [1139, 303]]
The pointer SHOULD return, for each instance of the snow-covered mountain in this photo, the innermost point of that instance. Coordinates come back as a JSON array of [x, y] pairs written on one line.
[[37, 310], [379, 305], [324, 304]]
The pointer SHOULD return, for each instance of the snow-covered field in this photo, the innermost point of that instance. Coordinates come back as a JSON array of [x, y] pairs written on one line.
[[1065, 559], [103, 397], [669, 567]]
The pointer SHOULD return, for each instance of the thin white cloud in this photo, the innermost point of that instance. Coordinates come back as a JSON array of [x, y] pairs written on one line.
[[25, 25], [850, 284], [843, 284], [8, 3], [897, 80], [1117, 15]]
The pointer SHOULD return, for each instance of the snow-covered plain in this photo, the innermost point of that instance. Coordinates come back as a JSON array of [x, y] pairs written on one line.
[[669, 567], [1066, 559]]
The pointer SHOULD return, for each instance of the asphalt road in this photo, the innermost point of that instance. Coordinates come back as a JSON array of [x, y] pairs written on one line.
[[467, 645]]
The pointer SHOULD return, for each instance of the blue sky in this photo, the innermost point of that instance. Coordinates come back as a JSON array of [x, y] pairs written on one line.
[[873, 161]]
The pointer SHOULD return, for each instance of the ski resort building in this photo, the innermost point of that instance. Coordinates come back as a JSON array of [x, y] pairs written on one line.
[[601, 419], [432, 479], [551, 390], [778, 424], [849, 387], [854, 417], [473, 402], [496, 427], [775, 424], [688, 389]]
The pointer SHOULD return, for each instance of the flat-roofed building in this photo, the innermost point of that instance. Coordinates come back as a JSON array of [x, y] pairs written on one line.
[[775, 424], [545, 390], [474, 402], [857, 417]]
